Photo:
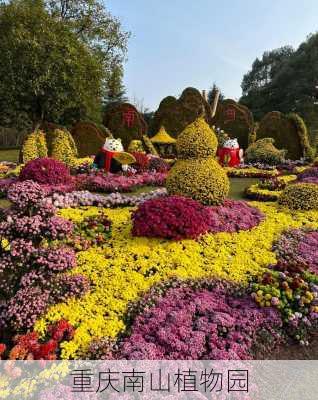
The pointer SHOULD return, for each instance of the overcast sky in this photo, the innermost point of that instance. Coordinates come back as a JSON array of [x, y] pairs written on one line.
[[181, 43]]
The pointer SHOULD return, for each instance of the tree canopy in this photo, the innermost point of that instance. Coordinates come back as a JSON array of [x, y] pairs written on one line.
[[56, 67], [285, 80]]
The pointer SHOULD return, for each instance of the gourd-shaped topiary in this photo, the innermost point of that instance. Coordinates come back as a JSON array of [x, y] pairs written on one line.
[[197, 174]]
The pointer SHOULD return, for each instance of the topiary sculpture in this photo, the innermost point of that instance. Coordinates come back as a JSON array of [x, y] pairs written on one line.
[[63, 147], [34, 146], [197, 174], [264, 151]]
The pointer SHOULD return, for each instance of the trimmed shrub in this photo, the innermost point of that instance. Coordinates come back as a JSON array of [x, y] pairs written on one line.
[[176, 114], [46, 171], [236, 120], [289, 132], [300, 196], [203, 180], [125, 122], [34, 146], [192, 145], [63, 147], [171, 217], [264, 151], [88, 138]]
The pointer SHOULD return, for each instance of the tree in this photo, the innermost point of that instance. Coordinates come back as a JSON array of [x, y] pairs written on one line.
[[258, 91], [46, 72], [212, 93], [285, 80], [101, 31], [115, 90]]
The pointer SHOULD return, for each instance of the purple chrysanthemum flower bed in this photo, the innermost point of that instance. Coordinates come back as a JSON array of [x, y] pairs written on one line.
[[308, 173], [298, 247], [200, 323], [101, 182], [177, 218], [234, 216]]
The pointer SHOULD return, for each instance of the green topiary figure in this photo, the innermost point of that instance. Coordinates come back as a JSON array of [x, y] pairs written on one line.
[[289, 132], [63, 147], [264, 151], [197, 174]]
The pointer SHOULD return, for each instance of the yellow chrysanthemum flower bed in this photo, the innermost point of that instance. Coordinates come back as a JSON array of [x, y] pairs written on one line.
[[131, 265]]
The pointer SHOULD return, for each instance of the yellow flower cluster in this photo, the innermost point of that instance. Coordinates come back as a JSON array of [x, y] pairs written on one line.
[[129, 266], [250, 172], [255, 191], [303, 196]]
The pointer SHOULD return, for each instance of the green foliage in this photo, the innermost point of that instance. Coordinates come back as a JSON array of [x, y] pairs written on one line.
[[264, 151], [300, 196], [63, 147], [190, 144], [196, 174], [34, 146], [289, 132], [45, 70], [285, 80]]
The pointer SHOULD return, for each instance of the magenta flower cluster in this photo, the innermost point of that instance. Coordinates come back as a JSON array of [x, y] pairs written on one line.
[[173, 217], [298, 248], [177, 218], [101, 182], [188, 323], [32, 276], [47, 171]]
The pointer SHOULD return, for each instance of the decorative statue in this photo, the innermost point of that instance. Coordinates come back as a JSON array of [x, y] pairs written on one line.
[[230, 153], [112, 157]]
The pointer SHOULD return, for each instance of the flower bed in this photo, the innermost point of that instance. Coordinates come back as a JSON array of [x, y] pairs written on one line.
[[107, 183], [193, 322], [270, 191], [33, 272], [250, 172], [113, 200], [129, 266]]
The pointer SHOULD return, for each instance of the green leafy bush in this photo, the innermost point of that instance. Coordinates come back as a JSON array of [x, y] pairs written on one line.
[[264, 151], [300, 196]]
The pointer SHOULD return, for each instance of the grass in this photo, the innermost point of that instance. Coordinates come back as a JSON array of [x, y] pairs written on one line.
[[11, 155]]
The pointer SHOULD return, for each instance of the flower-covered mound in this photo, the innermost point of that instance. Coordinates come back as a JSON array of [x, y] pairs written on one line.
[[268, 189], [172, 217], [46, 171], [129, 266], [177, 217], [250, 172], [199, 323]]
